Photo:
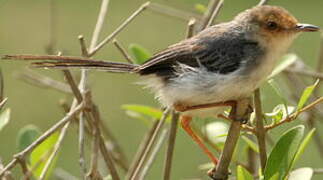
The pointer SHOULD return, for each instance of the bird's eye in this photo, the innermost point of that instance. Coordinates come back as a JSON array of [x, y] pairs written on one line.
[[272, 25]]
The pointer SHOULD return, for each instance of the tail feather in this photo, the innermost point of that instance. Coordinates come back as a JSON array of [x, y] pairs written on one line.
[[87, 64]]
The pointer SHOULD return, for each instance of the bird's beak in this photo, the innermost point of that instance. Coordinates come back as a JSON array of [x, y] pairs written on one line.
[[307, 28]]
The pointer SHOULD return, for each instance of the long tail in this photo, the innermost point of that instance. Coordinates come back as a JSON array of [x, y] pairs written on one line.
[[66, 62]]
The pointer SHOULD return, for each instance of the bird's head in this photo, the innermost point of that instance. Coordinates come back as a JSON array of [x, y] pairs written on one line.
[[272, 23]]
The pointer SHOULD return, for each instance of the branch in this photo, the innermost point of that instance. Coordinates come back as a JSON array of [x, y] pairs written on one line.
[[55, 151], [208, 14], [153, 155], [260, 130], [172, 12], [123, 51], [99, 23], [313, 74], [119, 29], [239, 113], [154, 136], [190, 28], [215, 13], [141, 149], [43, 81], [263, 2], [171, 145], [293, 116]]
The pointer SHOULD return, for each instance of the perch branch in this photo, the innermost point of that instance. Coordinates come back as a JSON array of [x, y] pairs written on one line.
[[260, 130], [239, 113], [171, 145]]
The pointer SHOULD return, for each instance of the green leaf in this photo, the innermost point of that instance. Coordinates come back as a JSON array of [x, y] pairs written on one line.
[[4, 118], [306, 94], [200, 8], [243, 174], [286, 61], [251, 144], [283, 153], [144, 110], [41, 153], [301, 174], [302, 147], [26, 136], [140, 53]]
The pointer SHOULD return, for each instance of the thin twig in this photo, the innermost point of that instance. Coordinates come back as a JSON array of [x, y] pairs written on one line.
[[263, 2], [123, 51], [208, 14], [154, 136], [55, 151], [83, 46], [215, 13], [260, 130], [296, 114], [3, 102], [190, 28], [1, 86], [108, 159], [239, 113], [99, 23], [81, 146], [171, 146], [153, 155], [313, 74], [172, 12], [119, 29], [43, 81], [42, 138], [69, 78], [24, 167], [141, 149]]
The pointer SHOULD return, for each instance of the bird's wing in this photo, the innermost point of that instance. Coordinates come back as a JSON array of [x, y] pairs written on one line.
[[218, 53]]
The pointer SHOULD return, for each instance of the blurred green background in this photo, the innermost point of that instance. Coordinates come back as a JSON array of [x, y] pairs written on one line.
[[25, 28]]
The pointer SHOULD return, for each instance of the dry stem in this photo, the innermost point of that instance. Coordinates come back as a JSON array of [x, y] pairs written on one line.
[[260, 130]]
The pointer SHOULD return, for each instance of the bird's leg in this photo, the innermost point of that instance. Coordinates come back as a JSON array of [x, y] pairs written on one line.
[[182, 108], [185, 122]]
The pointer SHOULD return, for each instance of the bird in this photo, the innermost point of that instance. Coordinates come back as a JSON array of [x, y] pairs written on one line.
[[201, 76]]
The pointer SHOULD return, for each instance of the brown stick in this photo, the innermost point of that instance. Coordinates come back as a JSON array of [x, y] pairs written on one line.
[[123, 51], [171, 146], [260, 130], [215, 13], [239, 112], [154, 136], [118, 30], [141, 149]]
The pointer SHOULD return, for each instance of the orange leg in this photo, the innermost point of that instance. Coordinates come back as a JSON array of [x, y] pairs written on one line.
[[185, 122], [183, 108]]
